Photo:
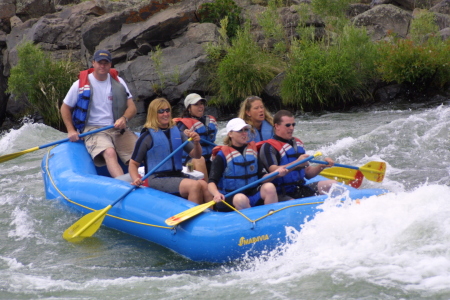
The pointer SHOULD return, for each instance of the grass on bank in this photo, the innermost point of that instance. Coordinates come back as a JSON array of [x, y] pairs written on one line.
[[331, 70], [327, 74], [43, 81], [420, 62], [243, 70]]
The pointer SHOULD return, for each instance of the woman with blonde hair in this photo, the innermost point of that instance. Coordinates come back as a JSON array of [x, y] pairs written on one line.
[[158, 139], [254, 113]]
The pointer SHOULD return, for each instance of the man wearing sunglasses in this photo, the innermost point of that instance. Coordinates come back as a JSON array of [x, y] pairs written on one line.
[[284, 150], [98, 99]]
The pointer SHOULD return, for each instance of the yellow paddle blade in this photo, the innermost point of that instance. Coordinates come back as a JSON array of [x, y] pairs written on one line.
[[183, 216], [86, 226], [374, 170], [347, 176], [7, 157]]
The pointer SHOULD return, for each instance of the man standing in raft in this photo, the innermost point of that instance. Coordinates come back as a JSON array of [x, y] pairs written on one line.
[[97, 99], [284, 150]]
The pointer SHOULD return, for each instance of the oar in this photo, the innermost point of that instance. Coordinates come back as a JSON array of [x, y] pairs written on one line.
[[207, 142], [7, 157], [373, 170], [187, 214], [90, 223], [347, 176]]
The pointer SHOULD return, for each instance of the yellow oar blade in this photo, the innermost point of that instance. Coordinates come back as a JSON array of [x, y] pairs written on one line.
[[374, 170], [183, 216], [347, 176], [7, 157], [86, 226]]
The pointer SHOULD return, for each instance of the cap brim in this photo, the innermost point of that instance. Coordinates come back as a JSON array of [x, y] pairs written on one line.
[[238, 128]]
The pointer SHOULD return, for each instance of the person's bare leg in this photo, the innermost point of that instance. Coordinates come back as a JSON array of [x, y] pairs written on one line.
[[207, 196], [324, 186], [240, 201], [112, 164], [191, 190], [200, 165], [269, 193]]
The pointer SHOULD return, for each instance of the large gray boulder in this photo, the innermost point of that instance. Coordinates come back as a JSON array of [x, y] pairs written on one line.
[[121, 28], [27, 9], [180, 71], [444, 33], [58, 33], [442, 7], [413, 4], [384, 19], [7, 9]]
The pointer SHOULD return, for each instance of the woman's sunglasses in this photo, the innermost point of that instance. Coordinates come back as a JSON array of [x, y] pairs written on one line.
[[242, 130], [289, 125], [163, 110]]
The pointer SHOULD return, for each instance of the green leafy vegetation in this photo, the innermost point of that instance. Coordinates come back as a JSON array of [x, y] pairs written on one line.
[[327, 75], [417, 65], [273, 29], [43, 81], [215, 11], [156, 57], [244, 70], [422, 61]]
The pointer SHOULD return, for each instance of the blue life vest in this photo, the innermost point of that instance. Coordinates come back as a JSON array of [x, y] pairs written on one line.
[[80, 113], [288, 154], [266, 132], [240, 170], [161, 148], [206, 132]]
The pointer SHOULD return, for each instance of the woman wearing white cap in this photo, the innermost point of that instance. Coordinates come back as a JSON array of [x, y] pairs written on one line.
[[236, 165], [194, 119], [253, 112]]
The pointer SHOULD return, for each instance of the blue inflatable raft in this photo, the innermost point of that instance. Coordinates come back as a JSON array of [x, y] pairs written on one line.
[[70, 176]]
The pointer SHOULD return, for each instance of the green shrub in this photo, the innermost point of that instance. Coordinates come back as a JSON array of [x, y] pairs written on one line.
[[418, 65], [215, 11], [332, 12], [156, 57], [322, 75], [273, 28], [244, 70], [423, 24], [43, 81]]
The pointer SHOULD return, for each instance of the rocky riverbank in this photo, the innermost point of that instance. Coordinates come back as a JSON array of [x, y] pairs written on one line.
[[131, 30]]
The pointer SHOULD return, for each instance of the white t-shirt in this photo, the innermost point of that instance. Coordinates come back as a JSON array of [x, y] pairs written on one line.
[[100, 112]]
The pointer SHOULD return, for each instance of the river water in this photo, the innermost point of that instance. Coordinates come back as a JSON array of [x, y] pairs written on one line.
[[396, 246]]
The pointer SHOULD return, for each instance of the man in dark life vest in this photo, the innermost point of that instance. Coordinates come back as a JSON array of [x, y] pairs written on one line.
[[97, 99], [284, 150]]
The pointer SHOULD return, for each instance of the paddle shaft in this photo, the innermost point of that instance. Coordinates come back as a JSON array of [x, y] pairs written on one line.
[[207, 142], [81, 135], [270, 176], [153, 170]]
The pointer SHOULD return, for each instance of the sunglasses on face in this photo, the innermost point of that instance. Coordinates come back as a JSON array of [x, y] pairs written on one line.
[[163, 110], [289, 125], [242, 130]]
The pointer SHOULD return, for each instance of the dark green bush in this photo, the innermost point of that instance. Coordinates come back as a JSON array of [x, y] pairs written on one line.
[[215, 11], [328, 74], [244, 70], [422, 61], [43, 81], [273, 29], [420, 66]]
